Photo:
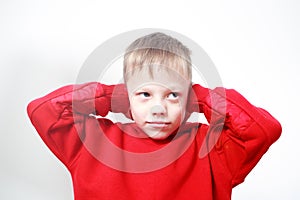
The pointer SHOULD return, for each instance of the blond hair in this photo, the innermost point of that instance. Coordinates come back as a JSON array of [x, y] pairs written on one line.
[[157, 49]]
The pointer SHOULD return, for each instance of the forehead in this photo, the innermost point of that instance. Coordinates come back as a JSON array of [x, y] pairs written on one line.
[[159, 76], [156, 59]]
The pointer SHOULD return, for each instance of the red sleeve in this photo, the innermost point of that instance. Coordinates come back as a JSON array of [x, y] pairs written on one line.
[[246, 131], [59, 117]]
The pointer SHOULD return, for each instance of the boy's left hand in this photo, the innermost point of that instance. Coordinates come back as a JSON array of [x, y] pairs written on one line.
[[196, 97]]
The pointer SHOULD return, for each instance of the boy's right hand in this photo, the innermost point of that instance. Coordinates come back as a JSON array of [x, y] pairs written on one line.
[[120, 101], [99, 98]]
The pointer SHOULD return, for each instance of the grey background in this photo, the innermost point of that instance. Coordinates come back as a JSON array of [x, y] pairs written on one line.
[[254, 45]]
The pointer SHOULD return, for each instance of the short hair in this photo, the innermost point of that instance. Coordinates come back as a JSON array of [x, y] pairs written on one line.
[[157, 49]]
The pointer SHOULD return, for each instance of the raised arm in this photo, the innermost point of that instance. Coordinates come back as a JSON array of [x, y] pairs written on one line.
[[59, 116], [247, 131]]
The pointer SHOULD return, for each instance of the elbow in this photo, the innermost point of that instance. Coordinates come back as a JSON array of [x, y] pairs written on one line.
[[31, 107], [275, 131], [272, 129], [271, 126]]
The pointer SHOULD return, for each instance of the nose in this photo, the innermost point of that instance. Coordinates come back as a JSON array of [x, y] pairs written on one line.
[[158, 110]]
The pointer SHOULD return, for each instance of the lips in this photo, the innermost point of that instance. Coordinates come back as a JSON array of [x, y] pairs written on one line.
[[158, 124]]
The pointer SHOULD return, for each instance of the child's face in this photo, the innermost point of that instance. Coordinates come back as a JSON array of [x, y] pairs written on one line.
[[158, 103]]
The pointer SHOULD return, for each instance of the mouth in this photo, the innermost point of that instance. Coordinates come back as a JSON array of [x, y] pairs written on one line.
[[158, 124]]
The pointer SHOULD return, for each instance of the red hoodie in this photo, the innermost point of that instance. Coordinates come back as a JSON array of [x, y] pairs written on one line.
[[107, 161]]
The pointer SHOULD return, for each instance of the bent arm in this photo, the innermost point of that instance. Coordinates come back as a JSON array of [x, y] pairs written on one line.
[[247, 133], [59, 117]]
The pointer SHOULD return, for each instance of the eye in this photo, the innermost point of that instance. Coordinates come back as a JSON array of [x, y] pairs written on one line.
[[144, 94], [173, 95]]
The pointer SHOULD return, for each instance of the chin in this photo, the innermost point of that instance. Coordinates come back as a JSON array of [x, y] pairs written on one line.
[[159, 136]]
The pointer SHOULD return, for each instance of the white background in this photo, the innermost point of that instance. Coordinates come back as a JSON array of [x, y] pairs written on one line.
[[254, 44]]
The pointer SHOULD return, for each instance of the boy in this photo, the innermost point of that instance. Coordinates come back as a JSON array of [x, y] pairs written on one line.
[[159, 155]]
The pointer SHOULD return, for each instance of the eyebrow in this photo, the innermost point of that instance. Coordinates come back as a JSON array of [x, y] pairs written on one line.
[[149, 88]]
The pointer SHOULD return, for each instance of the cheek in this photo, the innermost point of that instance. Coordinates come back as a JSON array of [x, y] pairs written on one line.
[[177, 112], [137, 109]]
